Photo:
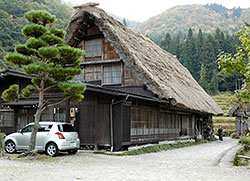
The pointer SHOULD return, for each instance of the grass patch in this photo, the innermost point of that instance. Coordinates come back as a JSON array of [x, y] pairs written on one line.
[[35, 157], [245, 140], [223, 118], [155, 148]]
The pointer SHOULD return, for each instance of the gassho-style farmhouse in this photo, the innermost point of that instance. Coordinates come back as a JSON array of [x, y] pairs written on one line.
[[136, 92]]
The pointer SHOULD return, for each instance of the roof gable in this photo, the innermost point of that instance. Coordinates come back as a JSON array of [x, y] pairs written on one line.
[[159, 70]]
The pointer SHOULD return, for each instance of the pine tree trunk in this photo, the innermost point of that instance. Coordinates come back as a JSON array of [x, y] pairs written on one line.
[[37, 116]]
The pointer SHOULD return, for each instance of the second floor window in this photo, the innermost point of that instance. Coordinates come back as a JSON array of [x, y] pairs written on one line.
[[112, 74], [93, 48]]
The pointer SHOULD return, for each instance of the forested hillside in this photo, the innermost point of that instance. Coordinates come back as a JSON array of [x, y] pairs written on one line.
[[12, 21], [179, 19], [198, 53]]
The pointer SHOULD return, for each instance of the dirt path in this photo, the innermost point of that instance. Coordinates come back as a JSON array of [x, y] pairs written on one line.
[[199, 162]]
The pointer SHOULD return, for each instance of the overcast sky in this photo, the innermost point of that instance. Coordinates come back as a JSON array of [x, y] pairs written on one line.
[[141, 10]]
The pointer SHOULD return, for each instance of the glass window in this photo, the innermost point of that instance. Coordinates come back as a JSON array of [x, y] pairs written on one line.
[[65, 128], [6, 118], [45, 128], [93, 48], [27, 129], [112, 74]]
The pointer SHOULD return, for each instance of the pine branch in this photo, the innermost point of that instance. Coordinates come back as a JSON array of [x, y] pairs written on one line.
[[50, 87], [54, 104]]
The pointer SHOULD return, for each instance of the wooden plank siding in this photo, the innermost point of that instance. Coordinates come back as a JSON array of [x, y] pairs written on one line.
[[93, 120], [94, 72]]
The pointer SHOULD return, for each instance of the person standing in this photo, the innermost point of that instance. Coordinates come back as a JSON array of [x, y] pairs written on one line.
[[220, 132]]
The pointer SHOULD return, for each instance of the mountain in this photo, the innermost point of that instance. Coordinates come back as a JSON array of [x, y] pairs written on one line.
[[130, 23], [12, 21], [180, 18]]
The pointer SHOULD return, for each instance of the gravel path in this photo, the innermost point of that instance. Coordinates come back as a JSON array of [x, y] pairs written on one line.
[[201, 162]]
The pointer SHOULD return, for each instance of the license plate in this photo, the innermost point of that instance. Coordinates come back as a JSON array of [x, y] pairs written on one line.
[[73, 144]]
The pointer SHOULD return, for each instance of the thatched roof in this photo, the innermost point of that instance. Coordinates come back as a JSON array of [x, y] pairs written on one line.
[[159, 70]]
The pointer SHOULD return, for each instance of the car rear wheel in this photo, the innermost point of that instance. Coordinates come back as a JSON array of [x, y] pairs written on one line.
[[72, 152], [10, 147], [52, 149]]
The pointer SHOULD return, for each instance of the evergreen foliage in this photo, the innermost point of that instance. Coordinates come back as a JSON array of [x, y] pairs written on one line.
[[198, 53], [52, 64]]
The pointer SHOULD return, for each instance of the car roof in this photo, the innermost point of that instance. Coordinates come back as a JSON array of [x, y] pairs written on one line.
[[48, 122]]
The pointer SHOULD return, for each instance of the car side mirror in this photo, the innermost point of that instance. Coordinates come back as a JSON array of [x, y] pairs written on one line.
[[20, 131]]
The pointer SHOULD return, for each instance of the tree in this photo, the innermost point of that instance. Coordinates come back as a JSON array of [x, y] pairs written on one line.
[[239, 62], [208, 58], [124, 22], [166, 42], [188, 55], [52, 64]]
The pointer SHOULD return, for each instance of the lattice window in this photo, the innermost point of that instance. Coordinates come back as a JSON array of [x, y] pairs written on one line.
[[112, 74], [6, 118], [93, 48]]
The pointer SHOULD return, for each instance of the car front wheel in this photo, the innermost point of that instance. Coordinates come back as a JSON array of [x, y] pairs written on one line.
[[52, 149], [10, 147]]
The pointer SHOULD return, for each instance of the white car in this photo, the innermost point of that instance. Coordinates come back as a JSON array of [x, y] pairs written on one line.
[[52, 137]]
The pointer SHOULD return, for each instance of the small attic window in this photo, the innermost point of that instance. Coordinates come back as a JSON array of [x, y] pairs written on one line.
[[112, 74], [93, 48]]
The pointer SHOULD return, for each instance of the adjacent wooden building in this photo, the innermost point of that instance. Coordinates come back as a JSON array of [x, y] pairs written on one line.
[[242, 122], [136, 93]]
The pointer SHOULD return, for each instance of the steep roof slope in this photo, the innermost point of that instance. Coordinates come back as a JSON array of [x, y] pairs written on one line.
[[159, 70]]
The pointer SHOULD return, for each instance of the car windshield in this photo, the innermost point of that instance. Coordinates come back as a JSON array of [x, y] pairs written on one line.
[[65, 128]]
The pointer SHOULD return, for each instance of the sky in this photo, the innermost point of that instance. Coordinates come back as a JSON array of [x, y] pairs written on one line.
[[141, 10]]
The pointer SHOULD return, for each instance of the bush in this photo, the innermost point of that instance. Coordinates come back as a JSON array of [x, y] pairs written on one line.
[[245, 140], [234, 135], [241, 161]]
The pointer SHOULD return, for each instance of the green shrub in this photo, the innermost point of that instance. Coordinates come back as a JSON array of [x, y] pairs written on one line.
[[234, 135], [245, 140], [241, 161]]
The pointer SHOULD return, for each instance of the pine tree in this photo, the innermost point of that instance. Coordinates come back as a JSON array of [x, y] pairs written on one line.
[[209, 63], [124, 22], [52, 64], [166, 42], [188, 55], [175, 46]]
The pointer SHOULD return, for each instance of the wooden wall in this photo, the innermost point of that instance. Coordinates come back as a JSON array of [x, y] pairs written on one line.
[[95, 71], [93, 120]]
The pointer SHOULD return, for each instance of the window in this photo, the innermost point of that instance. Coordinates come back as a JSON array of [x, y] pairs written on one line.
[[66, 128], [79, 78], [93, 48], [27, 129], [112, 74], [45, 128], [6, 118]]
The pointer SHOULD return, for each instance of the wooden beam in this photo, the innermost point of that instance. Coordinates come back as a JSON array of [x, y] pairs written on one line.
[[242, 156]]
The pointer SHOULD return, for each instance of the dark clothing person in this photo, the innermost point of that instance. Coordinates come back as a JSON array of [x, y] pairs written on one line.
[[220, 132]]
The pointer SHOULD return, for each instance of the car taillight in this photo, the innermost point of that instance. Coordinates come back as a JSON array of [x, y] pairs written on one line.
[[78, 135], [60, 135]]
